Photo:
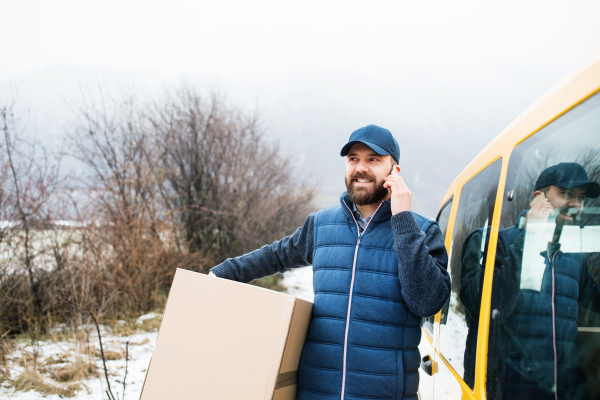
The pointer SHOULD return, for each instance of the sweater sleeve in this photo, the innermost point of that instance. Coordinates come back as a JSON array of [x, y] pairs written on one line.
[[422, 265], [290, 252]]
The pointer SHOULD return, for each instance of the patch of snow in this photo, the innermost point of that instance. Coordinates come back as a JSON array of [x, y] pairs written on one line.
[[141, 346], [299, 282], [146, 316]]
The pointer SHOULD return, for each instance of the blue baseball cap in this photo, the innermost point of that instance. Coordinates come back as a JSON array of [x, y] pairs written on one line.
[[379, 139], [567, 176]]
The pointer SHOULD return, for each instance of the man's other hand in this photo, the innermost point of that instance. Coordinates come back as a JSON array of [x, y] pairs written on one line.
[[401, 195]]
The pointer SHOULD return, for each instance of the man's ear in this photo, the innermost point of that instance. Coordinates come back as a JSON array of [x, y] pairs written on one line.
[[538, 197], [540, 194]]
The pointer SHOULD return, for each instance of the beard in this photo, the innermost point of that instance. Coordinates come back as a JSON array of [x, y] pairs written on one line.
[[562, 221], [362, 196]]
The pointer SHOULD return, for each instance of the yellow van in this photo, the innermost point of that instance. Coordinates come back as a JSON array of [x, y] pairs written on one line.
[[522, 230]]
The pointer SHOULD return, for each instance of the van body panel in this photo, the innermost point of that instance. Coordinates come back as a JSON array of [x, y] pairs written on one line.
[[426, 381], [568, 93], [448, 384]]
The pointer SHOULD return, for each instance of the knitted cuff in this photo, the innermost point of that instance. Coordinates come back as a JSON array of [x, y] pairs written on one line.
[[404, 222], [223, 270]]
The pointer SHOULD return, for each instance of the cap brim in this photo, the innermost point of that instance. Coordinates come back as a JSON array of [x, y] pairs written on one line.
[[592, 189], [373, 146]]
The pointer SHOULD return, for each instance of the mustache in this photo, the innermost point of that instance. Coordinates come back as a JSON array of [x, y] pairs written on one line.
[[566, 209], [363, 175]]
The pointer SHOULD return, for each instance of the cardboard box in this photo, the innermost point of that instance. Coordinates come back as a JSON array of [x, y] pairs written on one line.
[[226, 340]]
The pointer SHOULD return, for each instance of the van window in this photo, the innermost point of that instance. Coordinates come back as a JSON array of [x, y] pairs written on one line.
[[544, 339], [473, 217], [442, 219]]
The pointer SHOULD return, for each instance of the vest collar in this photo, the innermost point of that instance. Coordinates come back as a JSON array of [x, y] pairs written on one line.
[[383, 214], [521, 220]]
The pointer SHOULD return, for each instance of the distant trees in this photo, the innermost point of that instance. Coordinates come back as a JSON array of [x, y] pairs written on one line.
[[28, 203], [229, 190], [185, 181]]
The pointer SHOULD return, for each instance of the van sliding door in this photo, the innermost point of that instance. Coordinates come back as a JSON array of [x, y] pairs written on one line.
[[460, 317]]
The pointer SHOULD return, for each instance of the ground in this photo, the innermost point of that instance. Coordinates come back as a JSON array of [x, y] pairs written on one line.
[[57, 358]]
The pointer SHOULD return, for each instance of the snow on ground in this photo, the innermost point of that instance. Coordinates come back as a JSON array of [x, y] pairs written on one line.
[[299, 282], [141, 345]]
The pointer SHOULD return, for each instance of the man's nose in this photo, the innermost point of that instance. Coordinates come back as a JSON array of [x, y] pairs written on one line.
[[575, 203], [362, 167]]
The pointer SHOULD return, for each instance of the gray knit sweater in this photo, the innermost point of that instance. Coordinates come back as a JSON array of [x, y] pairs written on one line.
[[423, 256]]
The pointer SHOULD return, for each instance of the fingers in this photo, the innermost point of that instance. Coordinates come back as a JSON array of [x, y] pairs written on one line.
[[396, 183], [543, 207], [401, 195], [397, 179], [540, 212]]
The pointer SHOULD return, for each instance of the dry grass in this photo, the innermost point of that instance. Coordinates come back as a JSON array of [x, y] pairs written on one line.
[[143, 342], [110, 355], [57, 359], [74, 372], [31, 380], [151, 325]]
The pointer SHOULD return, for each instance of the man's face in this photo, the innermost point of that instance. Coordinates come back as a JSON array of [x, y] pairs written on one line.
[[365, 173], [567, 203]]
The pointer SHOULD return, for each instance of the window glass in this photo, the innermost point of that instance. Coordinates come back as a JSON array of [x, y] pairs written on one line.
[[458, 337], [544, 340], [442, 219]]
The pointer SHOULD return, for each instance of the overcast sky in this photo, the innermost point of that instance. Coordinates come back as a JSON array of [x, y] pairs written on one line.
[[444, 76]]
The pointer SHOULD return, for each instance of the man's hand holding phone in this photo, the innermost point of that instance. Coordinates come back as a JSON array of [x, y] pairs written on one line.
[[537, 216], [401, 195]]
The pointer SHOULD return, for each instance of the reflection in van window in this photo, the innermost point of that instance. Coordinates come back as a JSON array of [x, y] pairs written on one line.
[[442, 219], [544, 339], [474, 213]]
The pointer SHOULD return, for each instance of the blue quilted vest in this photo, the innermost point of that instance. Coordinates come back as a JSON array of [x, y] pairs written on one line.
[[528, 332], [521, 342], [362, 340]]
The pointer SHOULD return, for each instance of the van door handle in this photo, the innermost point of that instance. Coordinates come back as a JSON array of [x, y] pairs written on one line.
[[427, 365]]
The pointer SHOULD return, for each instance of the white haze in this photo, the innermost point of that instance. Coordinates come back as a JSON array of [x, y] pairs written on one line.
[[444, 77]]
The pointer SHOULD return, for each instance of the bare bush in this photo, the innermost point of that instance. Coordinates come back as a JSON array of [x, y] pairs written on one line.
[[29, 181], [185, 181], [128, 242], [229, 189]]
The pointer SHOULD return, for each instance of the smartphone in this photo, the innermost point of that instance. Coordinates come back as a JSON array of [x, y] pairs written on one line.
[[395, 169]]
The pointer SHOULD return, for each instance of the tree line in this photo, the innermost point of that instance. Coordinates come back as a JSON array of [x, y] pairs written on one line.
[[184, 180]]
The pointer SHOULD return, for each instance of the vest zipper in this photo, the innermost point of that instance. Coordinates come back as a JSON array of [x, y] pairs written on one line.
[[351, 290], [554, 326]]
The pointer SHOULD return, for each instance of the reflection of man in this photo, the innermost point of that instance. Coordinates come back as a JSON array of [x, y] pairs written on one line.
[[533, 334], [378, 268]]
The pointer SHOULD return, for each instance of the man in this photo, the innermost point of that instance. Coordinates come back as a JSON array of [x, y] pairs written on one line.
[[378, 269], [536, 290]]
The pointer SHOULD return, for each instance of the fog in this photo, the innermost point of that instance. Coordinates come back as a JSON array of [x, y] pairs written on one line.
[[444, 77]]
